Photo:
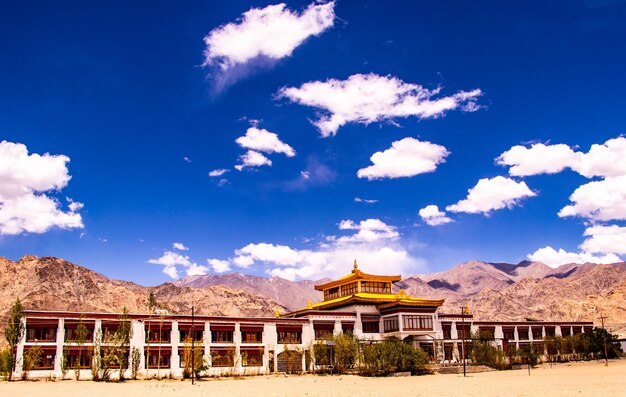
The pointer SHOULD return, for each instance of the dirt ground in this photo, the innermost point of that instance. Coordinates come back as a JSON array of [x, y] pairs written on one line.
[[574, 379]]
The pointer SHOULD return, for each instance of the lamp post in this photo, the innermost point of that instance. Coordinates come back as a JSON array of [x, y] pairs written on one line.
[[463, 310], [606, 357], [193, 351]]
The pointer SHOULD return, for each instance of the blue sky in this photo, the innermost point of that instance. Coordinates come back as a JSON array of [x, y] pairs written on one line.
[[147, 99]]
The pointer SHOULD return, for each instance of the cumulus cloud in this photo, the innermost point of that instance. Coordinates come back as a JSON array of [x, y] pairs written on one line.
[[538, 159], [219, 266], [492, 194], [406, 157], [599, 200], [262, 140], [252, 159], [605, 239], [26, 182], [368, 231], [368, 98], [602, 160], [180, 246], [263, 36], [218, 172], [554, 258], [197, 270], [374, 243], [170, 260], [433, 216]]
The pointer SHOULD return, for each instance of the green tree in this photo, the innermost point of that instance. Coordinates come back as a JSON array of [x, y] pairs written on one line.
[[345, 351], [393, 355], [13, 332], [135, 361], [32, 359], [484, 351], [5, 368], [81, 338]]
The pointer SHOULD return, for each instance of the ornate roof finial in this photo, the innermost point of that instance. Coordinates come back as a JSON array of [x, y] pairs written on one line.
[[276, 312], [310, 304], [356, 267]]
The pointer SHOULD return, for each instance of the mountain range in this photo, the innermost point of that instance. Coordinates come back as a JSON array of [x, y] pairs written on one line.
[[493, 291]]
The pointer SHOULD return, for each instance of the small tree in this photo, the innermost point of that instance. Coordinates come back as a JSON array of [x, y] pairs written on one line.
[[346, 350], [81, 338], [13, 332], [484, 351], [135, 361], [5, 365], [32, 359], [320, 354], [199, 362]]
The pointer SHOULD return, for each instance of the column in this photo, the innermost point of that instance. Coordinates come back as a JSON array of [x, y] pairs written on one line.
[[338, 329], [175, 340], [58, 358], [237, 343]]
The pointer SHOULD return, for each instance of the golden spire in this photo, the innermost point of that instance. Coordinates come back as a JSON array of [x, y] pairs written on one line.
[[276, 312], [356, 267]]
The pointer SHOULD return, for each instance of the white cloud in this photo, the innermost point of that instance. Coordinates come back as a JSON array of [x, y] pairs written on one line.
[[599, 200], [272, 32], [223, 182], [492, 194], [605, 239], [538, 159], [368, 98], [380, 254], [197, 270], [602, 160], [25, 182], [252, 159], [262, 140], [368, 231], [366, 201], [218, 172], [263, 252], [433, 216], [170, 258], [180, 246], [171, 271], [406, 157], [187, 159], [219, 266], [554, 258]]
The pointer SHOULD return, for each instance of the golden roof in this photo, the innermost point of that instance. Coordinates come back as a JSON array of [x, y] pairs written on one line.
[[382, 300], [357, 275]]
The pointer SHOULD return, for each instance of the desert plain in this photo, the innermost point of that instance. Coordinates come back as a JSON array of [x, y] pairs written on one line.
[[570, 379]]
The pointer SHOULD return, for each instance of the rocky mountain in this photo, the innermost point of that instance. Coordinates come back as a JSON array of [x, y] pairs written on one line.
[[291, 294], [55, 284], [495, 291]]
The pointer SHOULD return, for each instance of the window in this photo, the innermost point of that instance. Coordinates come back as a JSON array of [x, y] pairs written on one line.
[[251, 336], [448, 349], [537, 333], [252, 357], [390, 324], [375, 287], [331, 293], [71, 334], [82, 360], [550, 331], [46, 360], [349, 289], [218, 336], [41, 334], [522, 333], [508, 333], [154, 335], [417, 322], [463, 331], [487, 332], [577, 330], [153, 359], [186, 334], [447, 330], [347, 327], [184, 353], [285, 337], [222, 357], [371, 327], [566, 331], [323, 331]]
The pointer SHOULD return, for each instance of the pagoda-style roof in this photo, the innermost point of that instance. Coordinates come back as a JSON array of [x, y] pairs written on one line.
[[380, 300], [357, 275]]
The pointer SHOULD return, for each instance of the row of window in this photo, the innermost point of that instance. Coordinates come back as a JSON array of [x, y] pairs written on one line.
[[409, 323], [352, 288], [523, 333], [154, 359]]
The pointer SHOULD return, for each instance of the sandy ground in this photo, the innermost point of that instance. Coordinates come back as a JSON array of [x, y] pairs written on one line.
[[576, 379]]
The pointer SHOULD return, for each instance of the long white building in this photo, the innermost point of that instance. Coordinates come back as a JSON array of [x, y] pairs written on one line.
[[359, 303]]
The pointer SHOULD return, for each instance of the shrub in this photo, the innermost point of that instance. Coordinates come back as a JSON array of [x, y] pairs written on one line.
[[393, 355]]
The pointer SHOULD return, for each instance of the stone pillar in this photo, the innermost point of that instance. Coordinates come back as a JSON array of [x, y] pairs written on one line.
[[58, 358], [237, 343], [338, 329], [454, 333], [175, 341], [19, 354]]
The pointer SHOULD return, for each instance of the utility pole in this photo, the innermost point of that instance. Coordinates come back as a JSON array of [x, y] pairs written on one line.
[[193, 350], [606, 357], [463, 338]]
